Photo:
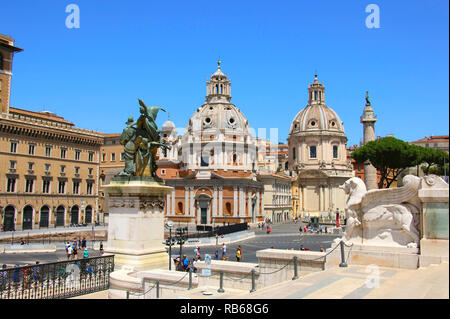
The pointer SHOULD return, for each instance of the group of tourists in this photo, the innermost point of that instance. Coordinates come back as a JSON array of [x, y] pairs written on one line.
[[185, 264], [77, 245], [310, 228]]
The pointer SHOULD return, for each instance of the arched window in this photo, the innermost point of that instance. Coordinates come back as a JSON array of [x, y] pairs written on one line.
[[335, 151], [74, 213], [27, 222], [60, 215], [235, 159], [88, 215], [8, 219], [44, 217], [315, 95], [312, 151], [228, 209], [180, 208]]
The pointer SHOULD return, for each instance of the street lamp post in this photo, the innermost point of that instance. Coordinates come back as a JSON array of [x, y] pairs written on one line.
[[170, 225]]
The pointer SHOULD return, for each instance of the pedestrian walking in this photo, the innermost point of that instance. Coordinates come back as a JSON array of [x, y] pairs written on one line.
[[217, 255], [185, 263], [238, 253], [198, 255], [101, 248], [75, 252], [84, 243], [224, 251], [85, 253], [69, 252]]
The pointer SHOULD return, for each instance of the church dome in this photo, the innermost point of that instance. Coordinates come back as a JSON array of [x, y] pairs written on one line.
[[317, 118], [168, 125], [217, 113]]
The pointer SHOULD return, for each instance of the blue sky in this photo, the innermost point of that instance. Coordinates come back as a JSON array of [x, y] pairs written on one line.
[[163, 52]]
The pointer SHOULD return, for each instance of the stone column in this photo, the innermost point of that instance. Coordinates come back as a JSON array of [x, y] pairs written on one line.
[[173, 201], [136, 224], [235, 202], [214, 203], [320, 198], [220, 212], [191, 201], [186, 201]]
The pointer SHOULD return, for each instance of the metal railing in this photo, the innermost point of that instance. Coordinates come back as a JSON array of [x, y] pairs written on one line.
[[57, 280]]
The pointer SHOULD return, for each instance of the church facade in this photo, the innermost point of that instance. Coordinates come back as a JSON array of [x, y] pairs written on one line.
[[213, 166], [318, 157]]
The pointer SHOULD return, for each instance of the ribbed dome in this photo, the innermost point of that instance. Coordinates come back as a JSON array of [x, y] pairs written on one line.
[[168, 125], [316, 118], [222, 116]]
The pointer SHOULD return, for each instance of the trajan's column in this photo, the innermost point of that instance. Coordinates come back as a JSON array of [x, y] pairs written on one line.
[[368, 120]]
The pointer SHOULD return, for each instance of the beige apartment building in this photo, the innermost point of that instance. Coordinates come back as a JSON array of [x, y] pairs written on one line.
[[111, 163], [277, 197], [49, 169]]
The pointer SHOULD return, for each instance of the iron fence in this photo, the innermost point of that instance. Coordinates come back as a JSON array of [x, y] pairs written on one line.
[[57, 280]]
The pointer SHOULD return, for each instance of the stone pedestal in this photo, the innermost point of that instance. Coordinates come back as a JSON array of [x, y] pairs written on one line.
[[434, 246], [136, 223]]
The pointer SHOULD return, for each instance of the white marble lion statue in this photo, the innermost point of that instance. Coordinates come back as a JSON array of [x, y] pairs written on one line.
[[383, 216]]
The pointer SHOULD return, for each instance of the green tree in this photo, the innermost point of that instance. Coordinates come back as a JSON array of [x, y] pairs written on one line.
[[434, 160], [390, 156]]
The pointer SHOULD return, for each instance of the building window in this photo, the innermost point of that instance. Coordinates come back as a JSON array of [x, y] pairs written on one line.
[[77, 170], [46, 186], [62, 187], [63, 153], [293, 154], [122, 156], [11, 187], [13, 148], [89, 188], [113, 157], [31, 149], [47, 167], [48, 151], [312, 151], [76, 187], [335, 151], [30, 166], [91, 156], [77, 155], [12, 164], [163, 172], [29, 185], [359, 169], [103, 157], [90, 170]]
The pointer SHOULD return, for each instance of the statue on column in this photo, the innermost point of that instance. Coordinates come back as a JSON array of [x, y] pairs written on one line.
[[141, 141]]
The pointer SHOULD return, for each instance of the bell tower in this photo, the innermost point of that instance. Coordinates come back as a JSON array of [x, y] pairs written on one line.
[[7, 50]]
